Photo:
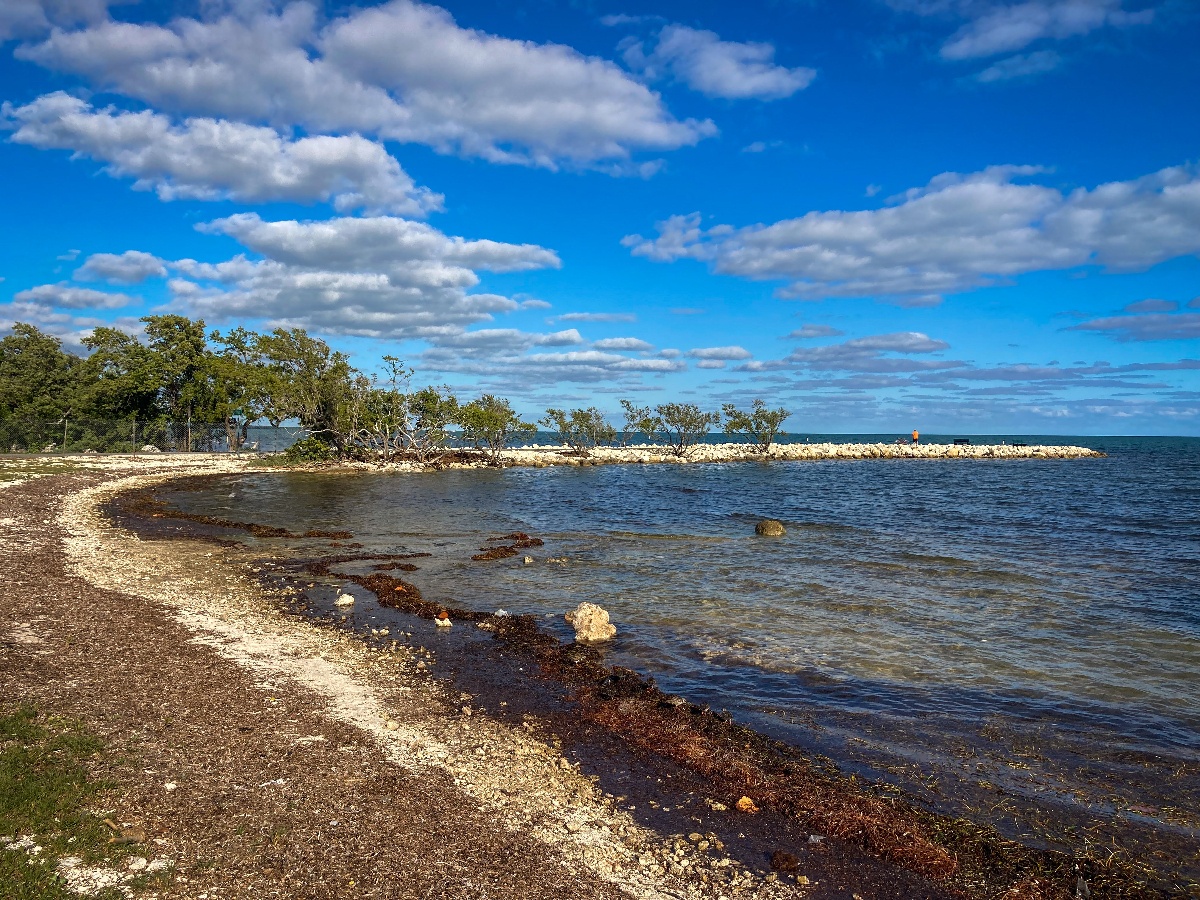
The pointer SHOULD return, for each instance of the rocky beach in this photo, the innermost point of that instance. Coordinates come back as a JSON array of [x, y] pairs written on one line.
[[255, 752]]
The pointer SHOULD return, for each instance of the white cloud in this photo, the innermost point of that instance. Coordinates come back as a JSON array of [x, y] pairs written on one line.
[[534, 303], [209, 159], [399, 247], [720, 353], [717, 68], [401, 71], [22, 18], [69, 296], [623, 343], [1004, 27], [1021, 66], [130, 267], [1146, 325], [711, 364], [379, 277], [878, 354], [956, 233], [805, 332], [1149, 306]]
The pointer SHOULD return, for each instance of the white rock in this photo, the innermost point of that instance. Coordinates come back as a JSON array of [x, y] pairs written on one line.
[[590, 623], [344, 600], [443, 623]]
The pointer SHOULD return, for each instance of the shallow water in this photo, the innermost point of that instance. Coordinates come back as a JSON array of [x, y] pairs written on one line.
[[1029, 626]]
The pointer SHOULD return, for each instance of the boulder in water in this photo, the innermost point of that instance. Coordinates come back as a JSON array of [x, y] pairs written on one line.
[[770, 528], [344, 600], [590, 623]]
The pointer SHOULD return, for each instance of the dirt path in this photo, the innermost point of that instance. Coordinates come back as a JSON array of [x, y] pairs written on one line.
[[269, 759]]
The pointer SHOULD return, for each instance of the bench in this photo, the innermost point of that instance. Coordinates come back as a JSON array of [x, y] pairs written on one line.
[[960, 441]]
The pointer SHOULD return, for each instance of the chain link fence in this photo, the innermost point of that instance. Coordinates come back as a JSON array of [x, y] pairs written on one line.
[[132, 436]]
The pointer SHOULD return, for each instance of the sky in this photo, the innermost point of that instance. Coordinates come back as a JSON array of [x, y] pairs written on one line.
[[967, 216]]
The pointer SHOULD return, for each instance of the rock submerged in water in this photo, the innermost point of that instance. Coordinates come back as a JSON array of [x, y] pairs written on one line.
[[590, 623], [344, 600], [770, 528]]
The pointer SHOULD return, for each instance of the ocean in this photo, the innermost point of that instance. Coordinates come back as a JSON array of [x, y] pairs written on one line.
[[1013, 641]]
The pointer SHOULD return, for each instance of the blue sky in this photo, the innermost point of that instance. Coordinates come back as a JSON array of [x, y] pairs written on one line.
[[965, 215]]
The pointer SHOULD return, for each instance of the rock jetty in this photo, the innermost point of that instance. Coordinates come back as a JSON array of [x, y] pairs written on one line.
[[542, 455]]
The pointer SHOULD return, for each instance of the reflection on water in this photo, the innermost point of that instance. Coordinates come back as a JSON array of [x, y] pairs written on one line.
[[1039, 618]]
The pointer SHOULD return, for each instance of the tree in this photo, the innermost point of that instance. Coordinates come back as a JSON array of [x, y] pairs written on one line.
[[639, 420], [381, 416], [431, 410], [580, 429], [37, 377], [490, 423], [182, 364], [683, 423], [304, 379], [760, 423], [239, 385], [119, 379]]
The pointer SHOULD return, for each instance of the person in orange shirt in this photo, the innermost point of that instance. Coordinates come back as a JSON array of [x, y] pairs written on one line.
[[916, 435]]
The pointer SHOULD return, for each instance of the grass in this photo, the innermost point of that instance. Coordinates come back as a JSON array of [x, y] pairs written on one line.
[[18, 469], [46, 794]]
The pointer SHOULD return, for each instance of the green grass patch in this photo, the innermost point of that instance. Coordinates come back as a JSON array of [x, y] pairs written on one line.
[[45, 794], [11, 470]]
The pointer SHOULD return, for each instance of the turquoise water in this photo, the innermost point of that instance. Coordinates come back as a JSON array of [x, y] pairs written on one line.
[[1029, 626]]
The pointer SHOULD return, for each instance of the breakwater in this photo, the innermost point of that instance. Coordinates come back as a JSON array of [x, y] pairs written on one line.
[[544, 455]]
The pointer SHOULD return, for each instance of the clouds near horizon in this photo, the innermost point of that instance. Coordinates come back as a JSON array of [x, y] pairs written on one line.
[[956, 233]]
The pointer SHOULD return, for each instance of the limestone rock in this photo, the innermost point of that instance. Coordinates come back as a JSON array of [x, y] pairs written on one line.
[[747, 805], [770, 528], [150, 448], [590, 623], [344, 600]]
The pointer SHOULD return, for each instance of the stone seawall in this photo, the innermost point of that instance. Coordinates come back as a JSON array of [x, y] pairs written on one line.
[[555, 456]]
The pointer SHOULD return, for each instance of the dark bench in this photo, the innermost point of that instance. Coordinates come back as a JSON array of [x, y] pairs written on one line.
[[1019, 444], [961, 441]]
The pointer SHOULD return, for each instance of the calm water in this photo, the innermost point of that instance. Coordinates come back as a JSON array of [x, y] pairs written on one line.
[[1031, 627]]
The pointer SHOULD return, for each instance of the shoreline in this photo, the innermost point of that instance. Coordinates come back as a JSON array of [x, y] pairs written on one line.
[[584, 676], [245, 625]]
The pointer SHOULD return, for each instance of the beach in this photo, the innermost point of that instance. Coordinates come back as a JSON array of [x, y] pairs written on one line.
[[311, 761]]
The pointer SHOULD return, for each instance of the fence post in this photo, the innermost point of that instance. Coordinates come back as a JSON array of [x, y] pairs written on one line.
[[64, 444], [135, 434]]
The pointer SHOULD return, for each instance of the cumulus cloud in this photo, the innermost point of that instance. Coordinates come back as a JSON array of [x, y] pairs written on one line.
[[1151, 306], [716, 68], [623, 343], [520, 373], [872, 354], [1021, 66], [720, 353], [956, 233], [1005, 27], [401, 71], [993, 27], [210, 159], [69, 296], [380, 277], [1146, 325], [130, 267], [805, 332], [24, 18]]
